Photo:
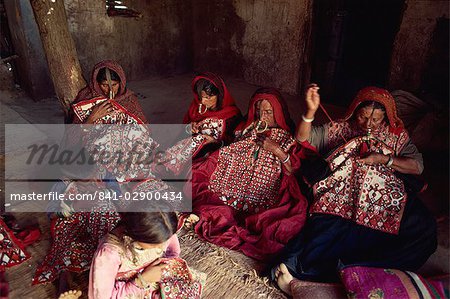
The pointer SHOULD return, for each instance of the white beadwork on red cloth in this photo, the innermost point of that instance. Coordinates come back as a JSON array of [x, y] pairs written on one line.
[[118, 116], [179, 155], [12, 251], [127, 152], [370, 195], [75, 240], [213, 127], [247, 182], [337, 130]]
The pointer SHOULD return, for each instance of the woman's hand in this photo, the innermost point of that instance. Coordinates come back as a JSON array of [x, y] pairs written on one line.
[[312, 100], [272, 146], [194, 127], [267, 143], [401, 164], [99, 111], [208, 139], [374, 158], [66, 210], [152, 272]]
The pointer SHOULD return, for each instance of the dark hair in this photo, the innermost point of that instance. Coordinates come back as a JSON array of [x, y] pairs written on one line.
[[150, 227], [101, 75], [206, 86], [210, 89], [374, 104]]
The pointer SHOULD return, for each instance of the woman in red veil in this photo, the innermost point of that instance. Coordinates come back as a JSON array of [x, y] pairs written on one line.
[[211, 120], [365, 211], [245, 194]]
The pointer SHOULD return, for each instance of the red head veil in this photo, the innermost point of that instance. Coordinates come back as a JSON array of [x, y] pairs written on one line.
[[93, 90], [226, 109], [381, 96], [125, 97], [280, 110]]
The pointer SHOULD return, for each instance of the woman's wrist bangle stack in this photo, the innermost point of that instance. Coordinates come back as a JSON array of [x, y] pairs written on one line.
[[287, 159], [390, 161], [307, 120]]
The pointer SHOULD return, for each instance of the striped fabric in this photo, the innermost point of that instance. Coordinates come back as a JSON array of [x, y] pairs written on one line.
[[377, 283]]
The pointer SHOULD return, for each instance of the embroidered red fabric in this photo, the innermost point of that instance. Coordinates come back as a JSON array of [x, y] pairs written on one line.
[[125, 97], [263, 228]]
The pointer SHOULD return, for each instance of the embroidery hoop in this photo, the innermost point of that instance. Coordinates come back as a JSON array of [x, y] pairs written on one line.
[[200, 109]]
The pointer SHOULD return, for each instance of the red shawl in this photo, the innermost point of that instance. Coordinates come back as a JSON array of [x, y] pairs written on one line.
[[125, 97], [227, 108]]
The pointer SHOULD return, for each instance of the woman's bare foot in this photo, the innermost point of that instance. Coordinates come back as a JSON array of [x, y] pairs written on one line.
[[72, 294], [283, 278]]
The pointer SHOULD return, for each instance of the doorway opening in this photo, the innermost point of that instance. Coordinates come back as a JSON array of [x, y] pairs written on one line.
[[353, 41]]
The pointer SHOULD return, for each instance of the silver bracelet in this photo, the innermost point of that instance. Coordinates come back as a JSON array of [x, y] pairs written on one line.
[[390, 161], [287, 159], [307, 120]]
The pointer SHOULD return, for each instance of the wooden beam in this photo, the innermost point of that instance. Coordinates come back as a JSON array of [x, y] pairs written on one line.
[[59, 49]]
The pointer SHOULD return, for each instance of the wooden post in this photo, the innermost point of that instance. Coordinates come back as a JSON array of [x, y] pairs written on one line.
[[60, 50]]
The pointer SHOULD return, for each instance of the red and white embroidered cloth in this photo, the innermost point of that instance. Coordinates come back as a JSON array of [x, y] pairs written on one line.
[[370, 195], [248, 177]]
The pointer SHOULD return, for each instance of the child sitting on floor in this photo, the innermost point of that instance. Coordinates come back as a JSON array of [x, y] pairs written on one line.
[[140, 258]]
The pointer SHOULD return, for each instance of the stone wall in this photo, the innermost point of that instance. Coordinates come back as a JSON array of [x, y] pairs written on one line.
[[159, 43], [412, 43], [262, 41]]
